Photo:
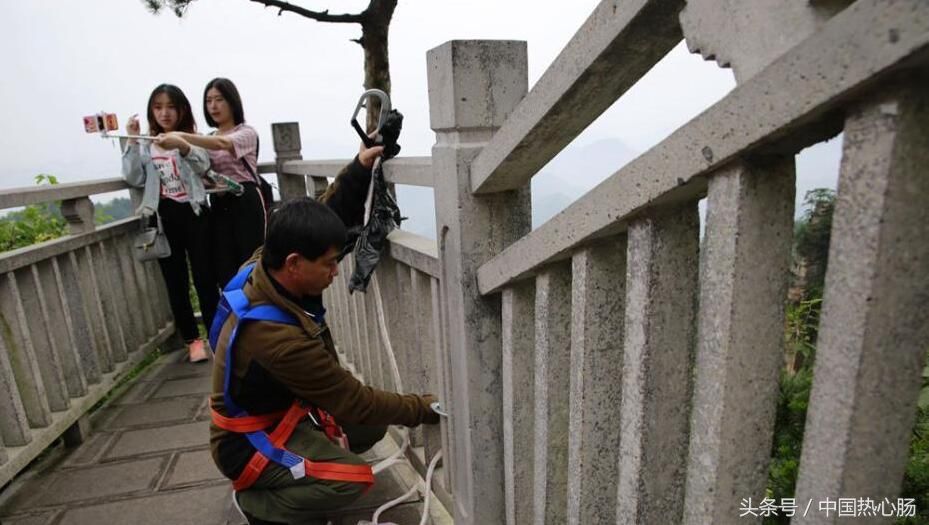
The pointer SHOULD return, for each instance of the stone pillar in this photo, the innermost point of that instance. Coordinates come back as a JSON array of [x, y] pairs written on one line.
[[552, 382], [473, 86], [874, 325], [80, 215], [518, 368], [740, 344], [78, 431], [317, 186], [598, 292], [287, 147], [659, 331]]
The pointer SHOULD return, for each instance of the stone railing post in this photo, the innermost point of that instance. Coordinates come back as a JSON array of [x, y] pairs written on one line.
[[473, 86], [80, 215], [873, 330], [287, 147]]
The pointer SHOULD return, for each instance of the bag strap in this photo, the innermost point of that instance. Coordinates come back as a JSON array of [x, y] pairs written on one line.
[[143, 221], [245, 163], [248, 167]]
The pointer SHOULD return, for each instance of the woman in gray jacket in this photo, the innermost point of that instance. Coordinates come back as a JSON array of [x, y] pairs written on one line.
[[171, 171]]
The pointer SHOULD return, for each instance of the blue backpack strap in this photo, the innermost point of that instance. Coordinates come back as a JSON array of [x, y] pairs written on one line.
[[269, 312], [234, 301], [224, 308], [283, 457], [238, 280]]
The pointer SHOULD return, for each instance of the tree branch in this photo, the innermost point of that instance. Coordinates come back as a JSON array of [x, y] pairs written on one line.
[[319, 16]]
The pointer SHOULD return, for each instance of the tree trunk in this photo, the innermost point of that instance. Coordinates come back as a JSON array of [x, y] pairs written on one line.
[[374, 32]]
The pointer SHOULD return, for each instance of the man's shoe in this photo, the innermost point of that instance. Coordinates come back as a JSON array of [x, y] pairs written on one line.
[[196, 351]]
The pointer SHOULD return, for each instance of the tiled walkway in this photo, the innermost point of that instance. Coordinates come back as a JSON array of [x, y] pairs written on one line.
[[147, 461]]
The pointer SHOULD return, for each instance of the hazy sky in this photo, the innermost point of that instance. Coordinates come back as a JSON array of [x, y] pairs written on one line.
[[67, 58]]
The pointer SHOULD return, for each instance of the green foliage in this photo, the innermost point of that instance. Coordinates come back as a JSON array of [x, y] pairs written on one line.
[[32, 225], [35, 223], [811, 237], [802, 320], [43, 222], [43, 178], [801, 330], [791, 416], [113, 210], [916, 479]]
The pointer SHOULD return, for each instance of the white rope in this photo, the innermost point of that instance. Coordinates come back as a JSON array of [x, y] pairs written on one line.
[[428, 486], [398, 456]]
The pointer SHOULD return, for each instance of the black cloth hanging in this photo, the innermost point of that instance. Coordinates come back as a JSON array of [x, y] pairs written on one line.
[[383, 215]]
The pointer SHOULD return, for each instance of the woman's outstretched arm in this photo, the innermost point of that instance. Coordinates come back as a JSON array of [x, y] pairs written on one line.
[[211, 142]]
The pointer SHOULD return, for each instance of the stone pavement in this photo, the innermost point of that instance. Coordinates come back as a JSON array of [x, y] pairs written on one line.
[[147, 461]]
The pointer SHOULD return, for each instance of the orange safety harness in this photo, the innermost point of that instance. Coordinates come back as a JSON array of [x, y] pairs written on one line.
[[270, 447]]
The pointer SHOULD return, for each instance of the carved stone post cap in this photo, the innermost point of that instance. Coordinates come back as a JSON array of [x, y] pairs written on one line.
[[79, 213], [475, 83], [749, 35], [286, 137]]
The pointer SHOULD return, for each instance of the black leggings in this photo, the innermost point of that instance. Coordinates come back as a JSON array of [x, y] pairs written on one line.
[[189, 236], [238, 230]]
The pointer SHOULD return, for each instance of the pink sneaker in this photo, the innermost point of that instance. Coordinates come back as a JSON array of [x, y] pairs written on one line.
[[196, 351]]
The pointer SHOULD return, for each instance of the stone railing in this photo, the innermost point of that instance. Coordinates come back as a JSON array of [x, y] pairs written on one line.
[[76, 313], [611, 367]]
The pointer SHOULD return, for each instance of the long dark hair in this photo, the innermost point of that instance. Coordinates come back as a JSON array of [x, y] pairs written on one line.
[[227, 89], [185, 116]]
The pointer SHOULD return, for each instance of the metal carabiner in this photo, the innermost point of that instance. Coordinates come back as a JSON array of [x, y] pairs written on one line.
[[385, 109], [438, 409]]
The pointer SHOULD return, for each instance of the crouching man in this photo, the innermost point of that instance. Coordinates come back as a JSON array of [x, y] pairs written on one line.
[[288, 420]]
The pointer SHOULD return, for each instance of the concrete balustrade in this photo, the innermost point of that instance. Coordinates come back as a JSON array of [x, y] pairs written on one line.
[[620, 40], [70, 324], [648, 397], [412, 171], [790, 104], [410, 303]]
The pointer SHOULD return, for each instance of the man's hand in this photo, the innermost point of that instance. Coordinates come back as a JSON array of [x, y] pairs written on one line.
[[432, 417], [366, 156]]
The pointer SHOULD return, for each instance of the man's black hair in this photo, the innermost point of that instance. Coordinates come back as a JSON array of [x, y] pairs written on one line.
[[304, 226]]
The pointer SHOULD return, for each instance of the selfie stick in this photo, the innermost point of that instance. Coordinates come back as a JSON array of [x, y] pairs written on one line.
[[106, 135]]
